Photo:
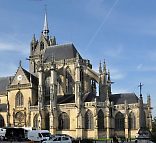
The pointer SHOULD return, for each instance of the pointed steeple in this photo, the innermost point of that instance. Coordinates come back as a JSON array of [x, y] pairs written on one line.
[[20, 63], [149, 100], [104, 67], [34, 39], [140, 87], [45, 30], [100, 68]]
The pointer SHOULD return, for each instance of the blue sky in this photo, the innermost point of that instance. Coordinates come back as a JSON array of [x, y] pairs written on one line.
[[123, 32]]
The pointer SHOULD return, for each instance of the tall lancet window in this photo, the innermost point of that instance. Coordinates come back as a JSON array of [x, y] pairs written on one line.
[[35, 121], [41, 45], [131, 121], [59, 85], [119, 121], [88, 120], [69, 87], [100, 120], [19, 99], [82, 79], [47, 86], [63, 121], [47, 89]]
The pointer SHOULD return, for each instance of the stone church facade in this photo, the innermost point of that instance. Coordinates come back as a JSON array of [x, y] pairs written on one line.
[[59, 93]]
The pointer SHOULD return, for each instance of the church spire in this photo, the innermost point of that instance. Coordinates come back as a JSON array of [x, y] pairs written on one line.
[[104, 67], [100, 68], [33, 39], [45, 30]]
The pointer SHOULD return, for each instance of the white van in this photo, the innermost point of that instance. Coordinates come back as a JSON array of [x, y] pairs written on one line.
[[39, 135]]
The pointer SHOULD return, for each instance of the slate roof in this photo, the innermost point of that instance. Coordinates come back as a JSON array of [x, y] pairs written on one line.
[[65, 99], [88, 97], [120, 98], [4, 82], [60, 52], [3, 107], [33, 78]]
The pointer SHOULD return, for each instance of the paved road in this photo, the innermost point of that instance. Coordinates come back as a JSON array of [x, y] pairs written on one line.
[[13, 142]]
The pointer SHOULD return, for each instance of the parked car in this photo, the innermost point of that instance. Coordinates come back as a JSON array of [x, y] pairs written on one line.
[[59, 139], [2, 134], [65, 135]]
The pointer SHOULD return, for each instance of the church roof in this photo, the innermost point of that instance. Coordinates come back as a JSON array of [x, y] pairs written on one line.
[[4, 82], [33, 78], [122, 97], [70, 98], [88, 97], [60, 52]]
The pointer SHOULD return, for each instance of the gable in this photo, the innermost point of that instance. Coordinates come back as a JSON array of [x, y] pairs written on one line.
[[21, 77], [42, 44]]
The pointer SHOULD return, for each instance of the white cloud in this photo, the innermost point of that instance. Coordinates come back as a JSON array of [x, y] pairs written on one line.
[[7, 47], [12, 46], [117, 74], [139, 67], [9, 70], [152, 55], [114, 52], [145, 68], [99, 8]]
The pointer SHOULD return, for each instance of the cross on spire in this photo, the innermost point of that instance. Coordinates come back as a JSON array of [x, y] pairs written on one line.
[[20, 63], [140, 87]]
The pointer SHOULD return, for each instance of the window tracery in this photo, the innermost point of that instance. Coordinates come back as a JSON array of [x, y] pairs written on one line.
[[119, 121], [19, 101], [63, 121], [88, 120]]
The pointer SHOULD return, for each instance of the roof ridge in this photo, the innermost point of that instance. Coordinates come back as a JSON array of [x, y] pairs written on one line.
[[62, 44]]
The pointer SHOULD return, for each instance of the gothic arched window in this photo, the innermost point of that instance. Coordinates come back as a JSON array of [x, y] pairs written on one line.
[[119, 121], [69, 86], [1, 121], [47, 86], [63, 121], [35, 122], [82, 79], [100, 119], [59, 85], [19, 99], [88, 120], [131, 121], [41, 45]]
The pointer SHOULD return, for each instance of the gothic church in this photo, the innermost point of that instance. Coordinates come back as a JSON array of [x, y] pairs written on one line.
[[58, 93]]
